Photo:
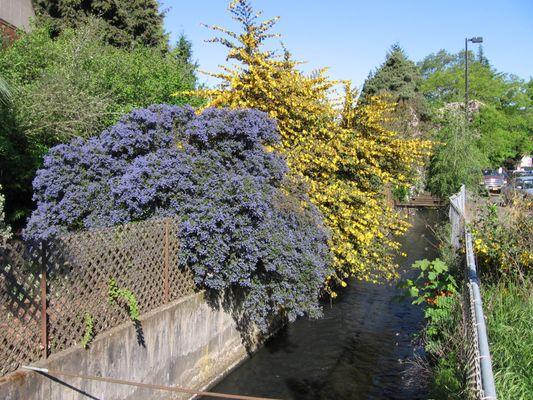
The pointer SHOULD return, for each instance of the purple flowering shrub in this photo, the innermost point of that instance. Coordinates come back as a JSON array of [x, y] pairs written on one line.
[[244, 222]]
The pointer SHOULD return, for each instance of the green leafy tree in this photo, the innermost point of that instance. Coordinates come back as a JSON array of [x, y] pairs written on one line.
[[444, 75], [505, 136], [126, 23], [505, 117], [457, 160]]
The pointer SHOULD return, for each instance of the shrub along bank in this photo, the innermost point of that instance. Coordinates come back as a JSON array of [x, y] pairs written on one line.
[[244, 222], [504, 253], [75, 85]]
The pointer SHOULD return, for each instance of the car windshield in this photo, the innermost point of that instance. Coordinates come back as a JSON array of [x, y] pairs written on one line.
[[492, 172]]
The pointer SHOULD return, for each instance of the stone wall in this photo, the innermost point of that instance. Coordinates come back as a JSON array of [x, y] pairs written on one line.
[[187, 343]]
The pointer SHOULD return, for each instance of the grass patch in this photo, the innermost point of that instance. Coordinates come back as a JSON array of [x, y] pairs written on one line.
[[509, 311]]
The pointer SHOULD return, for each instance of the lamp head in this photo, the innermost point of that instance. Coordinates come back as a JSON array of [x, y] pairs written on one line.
[[476, 39]]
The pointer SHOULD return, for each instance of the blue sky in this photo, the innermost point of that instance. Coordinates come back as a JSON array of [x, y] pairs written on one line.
[[352, 37]]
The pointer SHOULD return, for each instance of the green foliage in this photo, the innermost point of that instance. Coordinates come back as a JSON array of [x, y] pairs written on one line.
[[447, 251], [400, 192], [75, 85], [115, 294], [505, 118], [398, 76], [457, 159], [444, 75], [89, 330], [446, 352], [124, 23], [502, 240], [509, 313], [506, 135], [435, 287], [503, 246]]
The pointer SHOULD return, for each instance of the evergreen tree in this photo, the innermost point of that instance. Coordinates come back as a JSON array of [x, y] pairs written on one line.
[[125, 23], [481, 57], [397, 76], [183, 50]]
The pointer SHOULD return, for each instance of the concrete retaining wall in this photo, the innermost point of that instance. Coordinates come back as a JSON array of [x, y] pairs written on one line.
[[186, 343]]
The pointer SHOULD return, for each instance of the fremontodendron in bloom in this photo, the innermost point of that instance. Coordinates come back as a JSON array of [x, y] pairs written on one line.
[[244, 222]]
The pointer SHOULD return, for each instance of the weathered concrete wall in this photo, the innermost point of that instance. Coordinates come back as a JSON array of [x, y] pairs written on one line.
[[17, 13], [186, 343]]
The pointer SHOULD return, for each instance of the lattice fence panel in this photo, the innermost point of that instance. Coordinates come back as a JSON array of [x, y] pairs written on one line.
[[20, 302], [142, 257], [181, 281]]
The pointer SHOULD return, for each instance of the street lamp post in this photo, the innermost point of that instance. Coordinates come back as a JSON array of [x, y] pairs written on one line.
[[475, 39]]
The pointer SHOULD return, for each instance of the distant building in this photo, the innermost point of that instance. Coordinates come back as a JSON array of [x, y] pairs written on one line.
[[525, 162], [14, 15]]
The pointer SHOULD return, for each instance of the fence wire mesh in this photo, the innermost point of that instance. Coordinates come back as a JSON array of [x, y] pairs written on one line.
[[480, 381], [473, 368], [75, 272]]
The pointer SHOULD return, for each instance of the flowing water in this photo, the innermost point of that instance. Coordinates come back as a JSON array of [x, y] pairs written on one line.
[[361, 349]]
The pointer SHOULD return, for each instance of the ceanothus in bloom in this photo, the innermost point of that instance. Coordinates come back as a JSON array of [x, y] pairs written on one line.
[[243, 221]]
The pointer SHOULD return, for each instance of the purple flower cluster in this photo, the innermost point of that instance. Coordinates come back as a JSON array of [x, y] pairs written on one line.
[[244, 222]]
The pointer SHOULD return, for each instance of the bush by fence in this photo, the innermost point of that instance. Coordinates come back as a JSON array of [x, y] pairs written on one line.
[[48, 288], [244, 221]]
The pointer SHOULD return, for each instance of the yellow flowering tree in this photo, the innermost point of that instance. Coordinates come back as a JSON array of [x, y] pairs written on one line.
[[344, 154]]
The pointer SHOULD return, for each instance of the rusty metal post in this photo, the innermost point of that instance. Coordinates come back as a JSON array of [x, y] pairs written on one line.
[[166, 284], [44, 313]]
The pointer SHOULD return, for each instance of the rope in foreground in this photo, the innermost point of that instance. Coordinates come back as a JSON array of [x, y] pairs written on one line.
[[45, 371]]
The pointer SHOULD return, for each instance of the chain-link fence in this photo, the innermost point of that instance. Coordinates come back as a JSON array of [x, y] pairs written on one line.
[[480, 380], [53, 293]]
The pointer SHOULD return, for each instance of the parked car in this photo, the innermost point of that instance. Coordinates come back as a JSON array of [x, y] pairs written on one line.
[[521, 186], [522, 173], [494, 181]]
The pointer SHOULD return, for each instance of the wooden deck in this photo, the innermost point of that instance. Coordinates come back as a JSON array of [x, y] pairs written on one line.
[[422, 200]]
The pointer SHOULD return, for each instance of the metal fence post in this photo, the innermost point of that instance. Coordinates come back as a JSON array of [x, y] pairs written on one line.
[[44, 313], [166, 285]]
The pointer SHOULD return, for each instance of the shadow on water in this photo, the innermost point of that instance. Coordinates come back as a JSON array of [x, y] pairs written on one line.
[[360, 349]]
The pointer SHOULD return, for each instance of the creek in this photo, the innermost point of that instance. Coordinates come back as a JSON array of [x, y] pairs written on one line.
[[362, 348]]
